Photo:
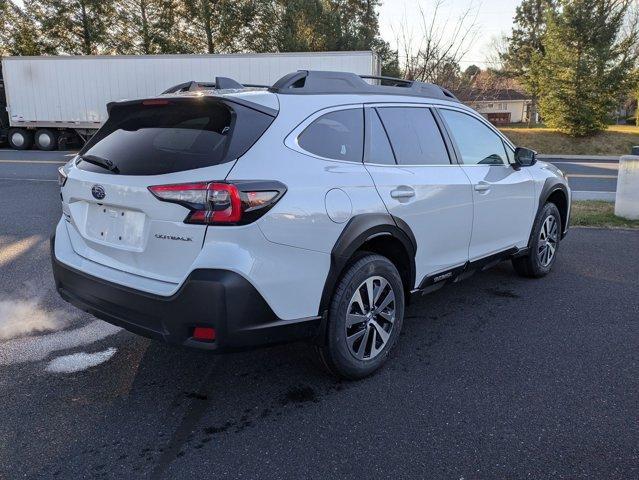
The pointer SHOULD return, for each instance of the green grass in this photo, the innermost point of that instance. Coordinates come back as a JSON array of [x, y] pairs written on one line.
[[616, 140], [598, 214]]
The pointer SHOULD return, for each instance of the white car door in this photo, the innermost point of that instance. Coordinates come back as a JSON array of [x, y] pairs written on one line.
[[504, 195], [419, 184]]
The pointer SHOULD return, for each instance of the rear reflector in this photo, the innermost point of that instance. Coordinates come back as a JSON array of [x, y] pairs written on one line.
[[221, 203], [204, 334]]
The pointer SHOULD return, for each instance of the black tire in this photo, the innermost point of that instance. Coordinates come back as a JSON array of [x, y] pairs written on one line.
[[531, 265], [46, 139], [20, 138], [336, 354]]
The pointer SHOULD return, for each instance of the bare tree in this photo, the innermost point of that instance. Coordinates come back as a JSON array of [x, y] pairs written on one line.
[[433, 53], [497, 48]]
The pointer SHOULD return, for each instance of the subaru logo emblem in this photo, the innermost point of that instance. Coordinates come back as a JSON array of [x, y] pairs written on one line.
[[98, 192]]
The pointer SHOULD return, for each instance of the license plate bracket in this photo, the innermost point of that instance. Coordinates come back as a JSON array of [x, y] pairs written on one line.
[[115, 226]]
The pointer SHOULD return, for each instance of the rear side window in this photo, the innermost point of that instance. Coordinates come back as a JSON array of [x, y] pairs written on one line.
[[379, 150], [477, 143], [173, 135], [336, 135], [414, 135]]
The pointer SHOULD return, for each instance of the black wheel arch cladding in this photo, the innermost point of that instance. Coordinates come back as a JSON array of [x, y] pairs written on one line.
[[552, 187], [359, 230]]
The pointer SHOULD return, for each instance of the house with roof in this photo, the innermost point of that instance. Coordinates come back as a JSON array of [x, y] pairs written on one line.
[[499, 106]]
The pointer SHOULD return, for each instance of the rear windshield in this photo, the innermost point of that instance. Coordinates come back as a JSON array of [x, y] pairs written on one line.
[[165, 136]]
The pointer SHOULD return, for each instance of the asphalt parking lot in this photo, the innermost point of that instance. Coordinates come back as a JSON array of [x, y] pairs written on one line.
[[494, 377]]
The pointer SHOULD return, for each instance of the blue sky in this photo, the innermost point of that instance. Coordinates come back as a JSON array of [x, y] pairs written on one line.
[[493, 18]]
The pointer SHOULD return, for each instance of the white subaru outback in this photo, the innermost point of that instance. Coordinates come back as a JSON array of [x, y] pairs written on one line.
[[232, 218]]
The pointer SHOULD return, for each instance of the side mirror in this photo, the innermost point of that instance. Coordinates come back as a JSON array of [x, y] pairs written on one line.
[[525, 157]]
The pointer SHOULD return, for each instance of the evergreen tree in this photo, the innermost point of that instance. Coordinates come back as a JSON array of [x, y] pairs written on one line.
[[587, 65], [526, 50], [299, 26], [19, 34], [330, 25], [217, 26], [75, 26], [193, 26], [149, 27]]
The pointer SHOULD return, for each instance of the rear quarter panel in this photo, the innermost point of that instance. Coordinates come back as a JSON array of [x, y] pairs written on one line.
[[300, 218], [291, 273]]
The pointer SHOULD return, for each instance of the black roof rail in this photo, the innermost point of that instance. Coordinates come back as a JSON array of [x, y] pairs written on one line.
[[305, 82], [392, 80], [221, 83]]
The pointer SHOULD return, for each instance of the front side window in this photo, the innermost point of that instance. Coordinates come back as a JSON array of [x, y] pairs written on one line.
[[478, 144], [414, 135], [337, 135]]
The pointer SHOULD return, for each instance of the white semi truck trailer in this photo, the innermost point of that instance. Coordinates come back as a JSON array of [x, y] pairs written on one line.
[[50, 102]]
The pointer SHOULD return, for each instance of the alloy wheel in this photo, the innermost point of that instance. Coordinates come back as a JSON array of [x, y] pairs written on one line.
[[548, 240], [370, 317]]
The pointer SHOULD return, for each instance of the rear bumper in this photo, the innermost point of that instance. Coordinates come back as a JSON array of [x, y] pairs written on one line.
[[214, 298]]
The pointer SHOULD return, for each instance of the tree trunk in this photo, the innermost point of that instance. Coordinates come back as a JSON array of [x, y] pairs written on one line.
[[208, 27], [146, 40], [532, 114], [86, 31]]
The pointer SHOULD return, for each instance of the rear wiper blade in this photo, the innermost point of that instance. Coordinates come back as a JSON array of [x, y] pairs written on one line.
[[100, 162]]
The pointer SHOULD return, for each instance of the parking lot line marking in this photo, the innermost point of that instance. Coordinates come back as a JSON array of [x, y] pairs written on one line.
[[585, 175], [28, 179], [32, 161]]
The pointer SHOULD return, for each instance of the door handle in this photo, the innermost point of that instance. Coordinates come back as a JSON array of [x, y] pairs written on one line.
[[482, 187], [402, 193]]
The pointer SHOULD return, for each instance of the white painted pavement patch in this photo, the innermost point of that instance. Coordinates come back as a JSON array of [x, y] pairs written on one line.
[[33, 349], [77, 362]]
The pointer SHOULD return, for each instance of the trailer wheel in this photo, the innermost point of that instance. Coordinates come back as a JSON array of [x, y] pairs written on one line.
[[20, 138], [46, 139]]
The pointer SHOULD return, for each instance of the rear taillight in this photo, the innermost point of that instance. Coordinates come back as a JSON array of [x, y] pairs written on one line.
[[221, 203]]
